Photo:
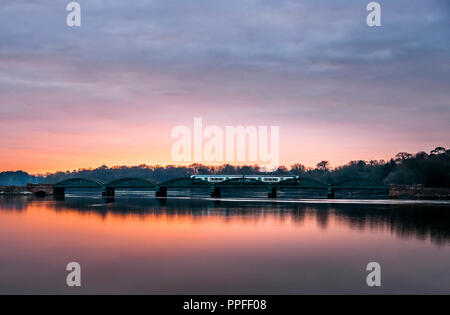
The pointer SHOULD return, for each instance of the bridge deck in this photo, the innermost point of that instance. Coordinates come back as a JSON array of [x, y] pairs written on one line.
[[216, 188]]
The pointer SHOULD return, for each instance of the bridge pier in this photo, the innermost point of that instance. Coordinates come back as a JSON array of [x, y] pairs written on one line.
[[110, 191], [272, 193], [161, 192], [59, 191], [216, 192], [330, 193]]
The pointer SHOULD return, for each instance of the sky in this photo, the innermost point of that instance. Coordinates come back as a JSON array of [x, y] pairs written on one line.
[[111, 91]]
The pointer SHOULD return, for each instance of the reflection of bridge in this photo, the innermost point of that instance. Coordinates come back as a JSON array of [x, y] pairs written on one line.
[[217, 188]]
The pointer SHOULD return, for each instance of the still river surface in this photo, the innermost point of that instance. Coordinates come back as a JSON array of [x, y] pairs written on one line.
[[196, 245]]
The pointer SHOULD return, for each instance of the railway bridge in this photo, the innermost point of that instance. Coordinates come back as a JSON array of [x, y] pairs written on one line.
[[216, 188]]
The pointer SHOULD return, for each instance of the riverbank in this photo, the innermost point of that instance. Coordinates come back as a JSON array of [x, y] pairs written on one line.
[[418, 192], [30, 189]]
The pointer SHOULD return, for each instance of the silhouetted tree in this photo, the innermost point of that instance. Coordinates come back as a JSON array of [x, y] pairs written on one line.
[[298, 169], [281, 170], [323, 166], [438, 150], [402, 156]]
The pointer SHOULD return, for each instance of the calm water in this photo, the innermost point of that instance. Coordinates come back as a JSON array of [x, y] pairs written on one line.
[[201, 246]]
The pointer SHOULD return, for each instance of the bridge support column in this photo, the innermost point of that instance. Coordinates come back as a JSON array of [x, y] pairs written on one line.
[[216, 192], [59, 191], [272, 193], [330, 193], [161, 192], [110, 192]]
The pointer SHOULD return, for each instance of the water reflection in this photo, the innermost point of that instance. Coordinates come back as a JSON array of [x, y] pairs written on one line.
[[417, 220], [421, 221], [199, 246]]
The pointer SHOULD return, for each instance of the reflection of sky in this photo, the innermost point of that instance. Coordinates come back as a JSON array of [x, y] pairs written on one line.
[[111, 91], [134, 246]]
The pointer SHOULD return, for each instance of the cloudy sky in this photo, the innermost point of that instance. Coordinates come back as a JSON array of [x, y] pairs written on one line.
[[110, 91]]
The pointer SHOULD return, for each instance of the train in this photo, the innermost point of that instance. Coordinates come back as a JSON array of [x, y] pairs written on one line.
[[262, 178]]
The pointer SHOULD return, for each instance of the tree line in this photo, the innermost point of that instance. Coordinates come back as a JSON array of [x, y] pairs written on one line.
[[428, 169]]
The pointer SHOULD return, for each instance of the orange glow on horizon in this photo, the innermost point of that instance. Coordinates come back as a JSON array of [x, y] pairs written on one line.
[[41, 152]]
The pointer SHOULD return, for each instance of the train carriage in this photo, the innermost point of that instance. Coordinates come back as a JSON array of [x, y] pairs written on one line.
[[262, 178]]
